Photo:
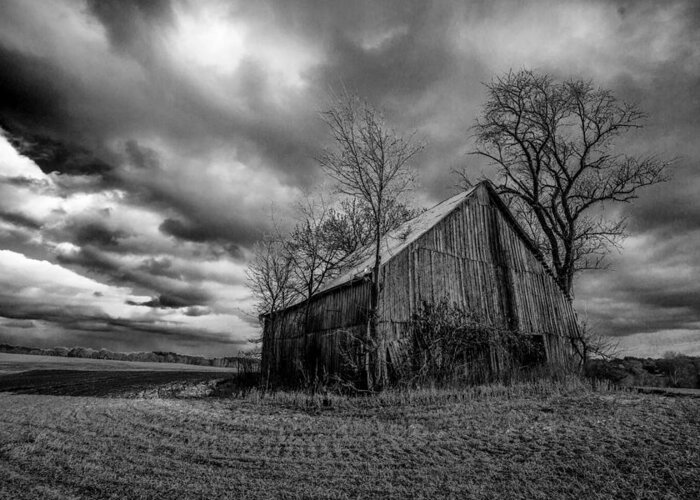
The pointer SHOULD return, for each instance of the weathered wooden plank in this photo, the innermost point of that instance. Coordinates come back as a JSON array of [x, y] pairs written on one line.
[[473, 257]]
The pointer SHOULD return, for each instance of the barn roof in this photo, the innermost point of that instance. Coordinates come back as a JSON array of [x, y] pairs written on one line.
[[397, 240]]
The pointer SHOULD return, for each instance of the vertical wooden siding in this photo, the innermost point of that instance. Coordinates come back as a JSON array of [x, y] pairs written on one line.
[[473, 257], [294, 347]]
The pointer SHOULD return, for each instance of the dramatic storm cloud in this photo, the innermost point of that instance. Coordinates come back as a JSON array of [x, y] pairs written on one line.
[[144, 142]]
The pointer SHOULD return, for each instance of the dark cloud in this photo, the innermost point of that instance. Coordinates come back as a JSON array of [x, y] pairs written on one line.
[[140, 156], [42, 96], [73, 135], [29, 92], [122, 339], [22, 240], [88, 327], [401, 56], [653, 284], [19, 219], [66, 315], [86, 318], [28, 182], [641, 310], [665, 211], [214, 231], [129, 23], [197, 311], [189, 232], [188, 298], [172, 293], [159, 266], [186, 271], [94, 233], [52, 155], [23, 324]]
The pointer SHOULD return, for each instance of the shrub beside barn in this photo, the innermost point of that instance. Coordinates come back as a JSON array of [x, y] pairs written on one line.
[[467, 250]]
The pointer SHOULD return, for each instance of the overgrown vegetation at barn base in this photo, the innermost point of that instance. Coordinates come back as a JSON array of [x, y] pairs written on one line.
[[449, 345], [443, 345]]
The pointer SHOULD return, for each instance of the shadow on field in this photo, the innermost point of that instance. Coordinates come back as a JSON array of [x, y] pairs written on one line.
[[110, 383]]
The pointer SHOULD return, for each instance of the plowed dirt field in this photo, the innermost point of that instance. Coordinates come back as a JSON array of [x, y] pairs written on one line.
[[521, 442]]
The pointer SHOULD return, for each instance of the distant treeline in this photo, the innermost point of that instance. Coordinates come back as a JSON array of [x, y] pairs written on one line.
[[673, 370], [154, 357]]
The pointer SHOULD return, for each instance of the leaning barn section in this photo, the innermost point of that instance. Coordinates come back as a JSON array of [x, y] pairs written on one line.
[[468, 250]]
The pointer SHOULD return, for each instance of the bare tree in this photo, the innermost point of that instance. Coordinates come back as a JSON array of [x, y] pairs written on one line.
[[588, 343], [463, 181], [315, 254], [269, 275], [368, 161], [348, 228], [554, 146], [350, 225], [323, 243]]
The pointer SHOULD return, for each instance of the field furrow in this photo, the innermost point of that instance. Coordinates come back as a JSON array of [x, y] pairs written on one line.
[[618, 445]]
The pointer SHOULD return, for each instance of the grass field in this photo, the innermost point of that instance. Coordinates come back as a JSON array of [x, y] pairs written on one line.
[[14, 363], [533, 441], [111, 383]]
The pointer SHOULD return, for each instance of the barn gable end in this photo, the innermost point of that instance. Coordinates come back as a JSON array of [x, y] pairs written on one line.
[[477, 257], [468, 250]]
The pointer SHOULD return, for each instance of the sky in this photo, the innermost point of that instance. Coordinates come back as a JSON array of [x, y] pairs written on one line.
[[143, 145]]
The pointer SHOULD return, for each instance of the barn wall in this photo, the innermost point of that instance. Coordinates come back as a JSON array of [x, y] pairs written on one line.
[[295, 347], [475, 258]]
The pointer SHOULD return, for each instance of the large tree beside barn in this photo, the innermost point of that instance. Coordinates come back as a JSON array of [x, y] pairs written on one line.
[[554, 145]]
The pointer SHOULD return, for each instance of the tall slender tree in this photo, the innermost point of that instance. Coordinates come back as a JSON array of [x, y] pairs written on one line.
[[371, 162]]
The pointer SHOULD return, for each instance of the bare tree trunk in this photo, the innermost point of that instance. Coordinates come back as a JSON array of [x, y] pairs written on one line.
[[372, 374], [366, 355], [369, 162]]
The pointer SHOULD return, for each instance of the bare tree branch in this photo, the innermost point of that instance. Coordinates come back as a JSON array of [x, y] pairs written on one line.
[[370, 162], [553, 143], [269, 275]]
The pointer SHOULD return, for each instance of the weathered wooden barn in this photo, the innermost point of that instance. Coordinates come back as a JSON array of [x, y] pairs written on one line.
[[468, 250]]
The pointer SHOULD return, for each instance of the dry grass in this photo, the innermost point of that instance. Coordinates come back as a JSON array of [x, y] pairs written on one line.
[[525, 441]]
